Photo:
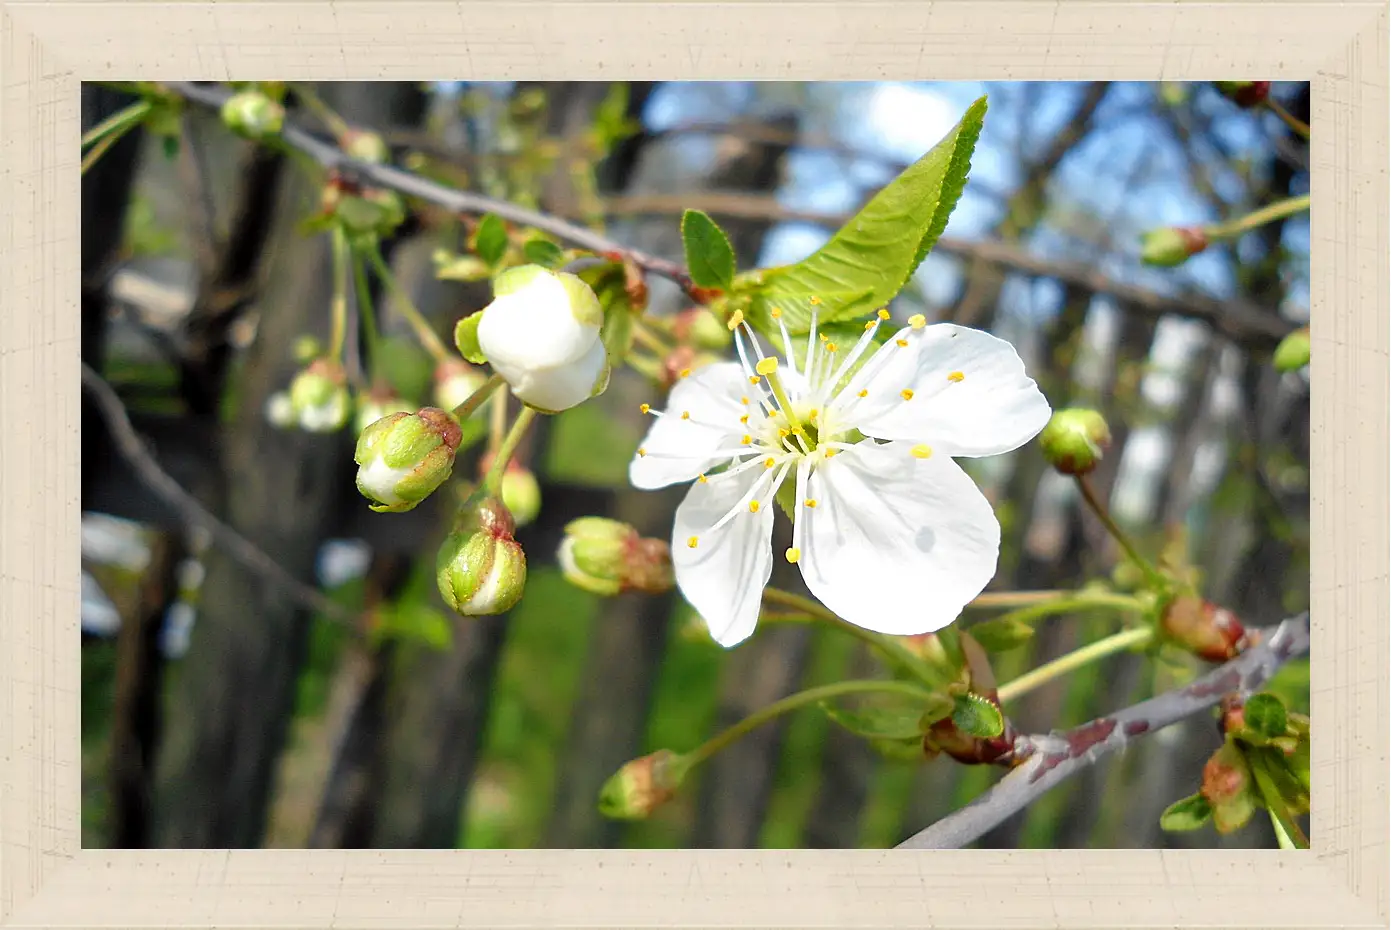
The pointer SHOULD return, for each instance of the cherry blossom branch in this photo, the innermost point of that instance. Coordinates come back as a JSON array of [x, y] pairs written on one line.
[[1053, 758], [330, 157]]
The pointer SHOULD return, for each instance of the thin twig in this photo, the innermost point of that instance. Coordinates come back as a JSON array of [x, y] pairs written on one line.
[[1054, 758], [133, 449]]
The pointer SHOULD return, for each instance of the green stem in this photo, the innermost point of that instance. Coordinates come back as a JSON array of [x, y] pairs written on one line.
[[423, 331], [1089, 495], [1267, 214], [493, 481], [887, 646], [792, 702], [649, 339], [369, 318], [335, 123], [647, 367], [497, 428], [1299, 127], [1083, 600], [1015, 598], [117, 123], [1286, 829], [341, 260], [477, 398], [1118, 642]]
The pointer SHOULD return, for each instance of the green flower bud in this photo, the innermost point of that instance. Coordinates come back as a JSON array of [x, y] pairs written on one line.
[[252, 114], [642, 786], [402, 458], [373, 406], [366, 146], [455, 382], [1075, 440], [307, 348], [480, 568], [606, 557], [1171, 246], [319, 397], [521, 493], [1245, 94], [1292, 353]]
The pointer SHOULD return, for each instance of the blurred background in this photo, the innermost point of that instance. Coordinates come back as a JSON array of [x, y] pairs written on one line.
[[218, 712]]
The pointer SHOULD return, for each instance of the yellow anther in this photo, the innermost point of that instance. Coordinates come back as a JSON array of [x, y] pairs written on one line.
[[956, 376], [811, 502], [685, 414], [746, 440], [811, 414], [703, 480], [775, 313], [766, 366], [864, 393], [693, 541], [921, 452], [831, 452], [870, 325], [753, 379], [744, 401], [917, 321], [824, 337], [830, 347], [784, 433], [641, 452], [685, 372], [814, 300], [902, 343], [769, 462], [735, 320], [744, 419], [794, 554], [646, 408], [883, 314], [906, 393], [753, 506]]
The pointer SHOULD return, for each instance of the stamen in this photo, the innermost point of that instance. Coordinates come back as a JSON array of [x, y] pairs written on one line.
[[906, 394], [921, 452], [863, 393], [753, 379], [917, 321], [744, 401], [811, 502], [685, 414], [753, 506], [814, 300], [956, 377], [830, 452], [882, 313], [641, 452], [646, 408], [735, 319], [769, 462], [693, 541], [685, 372], [703, 480], [766, 366], [746, 440], [775, 313], [902, 343], [793, 555], [744, 419]]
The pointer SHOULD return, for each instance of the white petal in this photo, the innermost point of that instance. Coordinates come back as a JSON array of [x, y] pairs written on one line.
[[896, 544], [677, 449], [723, 576], [533, 327], [562, 387], [970, 393]]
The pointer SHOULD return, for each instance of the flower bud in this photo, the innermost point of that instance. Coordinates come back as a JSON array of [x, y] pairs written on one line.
[[1212, 633], [280, 410], [319, 397], [521, 493], [1171, 246], [606, 557], [642, 786], [307, 348], [1228, 787], [252, 114], [375, 405], [402, 458], [375, 211], [541, 333], [480, 568], [455, 382], [1245, 94], [366, 146], [1075, 440], [945, 737], [1292, 353]]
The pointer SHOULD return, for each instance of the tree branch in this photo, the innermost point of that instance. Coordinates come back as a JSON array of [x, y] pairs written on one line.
[[1054, 758], [454, 200], [132, 448]]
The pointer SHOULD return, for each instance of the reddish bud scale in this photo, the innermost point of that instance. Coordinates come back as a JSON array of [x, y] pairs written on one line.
[[1210, 632], [444, 425], [703, 295], [1194, 239], [944, 737], [1250, 93]]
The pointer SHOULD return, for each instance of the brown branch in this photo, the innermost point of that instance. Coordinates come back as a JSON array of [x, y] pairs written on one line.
[[332, 158], [1054, 758], [132, 448]]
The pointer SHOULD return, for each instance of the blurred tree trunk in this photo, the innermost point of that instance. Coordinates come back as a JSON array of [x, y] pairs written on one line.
[[631, 632], [847, 766], [231, 699]]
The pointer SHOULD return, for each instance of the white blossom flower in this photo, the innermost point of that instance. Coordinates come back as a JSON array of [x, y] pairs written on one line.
[[541, 333], [888, 531]]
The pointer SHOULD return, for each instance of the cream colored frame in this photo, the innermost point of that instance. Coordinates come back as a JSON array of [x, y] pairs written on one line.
[[46, 48]]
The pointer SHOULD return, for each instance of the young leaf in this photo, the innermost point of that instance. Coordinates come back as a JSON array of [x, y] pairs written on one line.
[[709, 256], [877, 722], [939, 707], [543, 252], [977, 716], [460, 267], [1265, 715], [1001, 634], [490, 239], [1188, 814], [869, 260], [466, 338]]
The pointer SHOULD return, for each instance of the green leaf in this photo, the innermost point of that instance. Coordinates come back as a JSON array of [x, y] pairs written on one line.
[[1265, 715], [1188, 814], [899, 750], [450, 267], [466, 338], [977, 716], [870, 259], [709, 256], [543, 252], [406, 366], [490, 239], [1001, 634], [878, 721], [939, 707]]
